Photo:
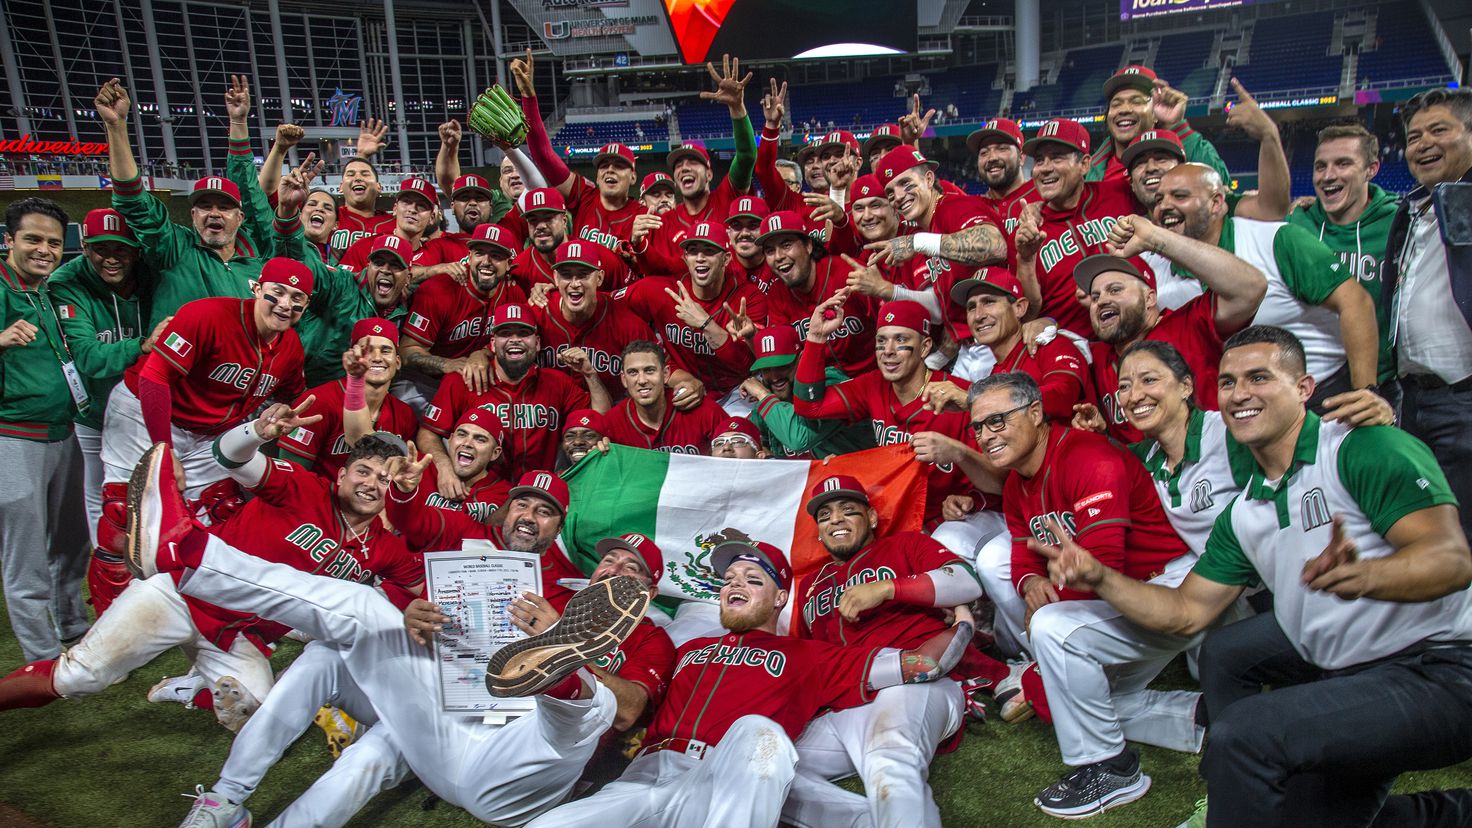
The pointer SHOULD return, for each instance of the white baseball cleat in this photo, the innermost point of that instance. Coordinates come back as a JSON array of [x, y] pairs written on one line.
[[177, 689]]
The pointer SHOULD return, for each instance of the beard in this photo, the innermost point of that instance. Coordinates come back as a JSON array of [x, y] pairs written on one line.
[[1131, 324], [739, 623]]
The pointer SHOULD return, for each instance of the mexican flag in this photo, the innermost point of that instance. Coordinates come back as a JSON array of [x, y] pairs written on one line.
[[688, 504]]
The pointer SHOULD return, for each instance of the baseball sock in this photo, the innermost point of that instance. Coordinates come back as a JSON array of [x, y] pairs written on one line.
[[30, 686]]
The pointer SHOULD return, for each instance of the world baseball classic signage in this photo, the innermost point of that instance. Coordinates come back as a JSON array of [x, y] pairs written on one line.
[[1131, 9]]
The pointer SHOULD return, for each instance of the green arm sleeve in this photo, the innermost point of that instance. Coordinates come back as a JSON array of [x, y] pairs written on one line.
[[240, 167], [794, 433], [164, 243], [1224, 561], [1390, 474], [1309, 268], [745, 160]]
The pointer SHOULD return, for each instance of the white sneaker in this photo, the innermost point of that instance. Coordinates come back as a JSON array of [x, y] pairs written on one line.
[[1014, 704], [178, 689], [212, 810]]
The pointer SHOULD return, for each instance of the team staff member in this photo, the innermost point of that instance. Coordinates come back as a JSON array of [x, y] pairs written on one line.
[[647, 418], [1137, 101], [1366, 646], [997, 145], [43, 546], [576, 315], [1074, 483], [783, 432]]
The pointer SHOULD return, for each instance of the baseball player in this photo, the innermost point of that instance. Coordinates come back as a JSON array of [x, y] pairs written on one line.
[[470, 203], [648, 417], [738, 439], [875, 592], [348, 409], [838, 152], [884, 138], [548, 226], [529, 400], [474, 447], [359, 217], [719, 751], [1359, 543], [500, 774], [217, 361], [414, 209], [1078, 483], [1136, 101], [743, 225], [657, 193], [576, 315], [997, 145], [581, 434], [771, 385], [807, 279]]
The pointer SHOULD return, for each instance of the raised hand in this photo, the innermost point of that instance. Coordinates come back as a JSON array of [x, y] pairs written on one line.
[[281, 419], [1030, 236], [1245, 114], [237, 98], [523, 72], [296, 185], [112, 102], [730, 86], [912, 124], [1168, 104], [1087, 417], [827, 317], [1133, 235], [450, 134], [371, 137], [773, 104], [687, 309], [937, 396], [644, 224], [897, 250], [865, 279], [740, 325], [537, 296], [577, 359], [289, 135], [823, 208], [406, 473]]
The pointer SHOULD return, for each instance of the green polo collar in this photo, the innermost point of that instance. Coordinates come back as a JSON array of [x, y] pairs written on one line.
[[1155, 460], [1257, 486], [1227, 242]]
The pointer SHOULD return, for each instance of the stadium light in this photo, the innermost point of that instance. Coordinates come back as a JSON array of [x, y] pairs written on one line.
[[834, 50]]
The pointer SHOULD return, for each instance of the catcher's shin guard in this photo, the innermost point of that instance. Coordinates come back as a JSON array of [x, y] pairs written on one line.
[[107, 574]]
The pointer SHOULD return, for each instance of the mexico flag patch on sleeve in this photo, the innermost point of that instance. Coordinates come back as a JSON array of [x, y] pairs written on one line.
[[178, 344]]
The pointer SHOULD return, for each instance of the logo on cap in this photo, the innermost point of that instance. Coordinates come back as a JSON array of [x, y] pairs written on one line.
[[513, 311], [635, 539], [832, 484], [378, 329], [889, 317], [575, 249], [213, 184], [1149, 135], [291, 279], [538, 199], [112, 221], [390, 241], [769, 343], [702, 229], [543, 480], [1049, 129], [992, 124]]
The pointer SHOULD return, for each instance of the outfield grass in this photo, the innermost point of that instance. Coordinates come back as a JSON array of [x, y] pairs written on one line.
[[117, 760]]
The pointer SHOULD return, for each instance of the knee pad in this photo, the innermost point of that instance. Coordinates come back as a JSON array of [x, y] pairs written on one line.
[[217, 502], [107, 573]]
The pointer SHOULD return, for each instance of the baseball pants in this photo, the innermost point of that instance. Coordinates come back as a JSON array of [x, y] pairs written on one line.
[[994, 568], [742, 781], [43, 546], [966, 537], [888, 743], [145, 620], [125, 439], [501, 774], [89, 442]]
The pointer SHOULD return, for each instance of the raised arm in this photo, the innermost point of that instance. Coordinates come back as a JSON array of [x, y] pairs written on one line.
[[548, 162], [731, 91], [238, 450], [112, 104], [1274, 194], [1238, 286], [287, 136]]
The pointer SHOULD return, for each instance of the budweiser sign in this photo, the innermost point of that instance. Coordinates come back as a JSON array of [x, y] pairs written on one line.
[[30, 147]]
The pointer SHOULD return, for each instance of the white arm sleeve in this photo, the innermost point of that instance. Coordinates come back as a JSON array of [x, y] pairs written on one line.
[[238, 451]]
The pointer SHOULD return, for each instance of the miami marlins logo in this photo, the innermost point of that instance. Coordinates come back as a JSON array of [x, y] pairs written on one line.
[[694, 576], [344, 108]]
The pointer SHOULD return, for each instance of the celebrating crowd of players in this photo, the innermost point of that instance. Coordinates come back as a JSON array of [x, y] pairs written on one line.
[[1157, 417]]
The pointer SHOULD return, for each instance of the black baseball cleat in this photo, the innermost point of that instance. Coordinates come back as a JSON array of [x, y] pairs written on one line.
[[156, 513], [596, 621]]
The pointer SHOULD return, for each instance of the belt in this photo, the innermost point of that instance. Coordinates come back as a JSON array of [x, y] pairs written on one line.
[[690, 747], [1431, 382]]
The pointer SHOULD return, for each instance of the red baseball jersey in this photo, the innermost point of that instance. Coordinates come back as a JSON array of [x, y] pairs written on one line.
[[851, 347], [486, 495], [227, 371], [681, 432], [891, 624], [1009, 207], [294, 520], [1102, 496], [789, 680], [321, 446], [431, 252], [595, 223], [761, 277], [646, 657], [1060, 371], [604, 336], [531, 268], [1192, 329], [953, 213], [1074, 235], [532, 411], [662, 247], [453, 320], [721, 369], [353, 228]]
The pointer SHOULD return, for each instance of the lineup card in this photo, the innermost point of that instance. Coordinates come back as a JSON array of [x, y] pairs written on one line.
[[474, 588]]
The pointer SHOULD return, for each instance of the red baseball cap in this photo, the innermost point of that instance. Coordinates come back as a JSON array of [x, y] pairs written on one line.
[[656, 179], [484, 420], [838, 138], [764, 555], [107, 224], [212, 184], [865, 186], [375, 326], [835, 487], [576, 251], [1063, 131], [691, 149], [775, 346], [289, 272], [780, 223], [899, 160], [584, 418], [417, 187], [993, 279], [807, 150], [614, 150], [641, 545], [741, 425], [543, 200], [748, 207], [512, 313], [543, 484], [1091, 267], [1004, 128], [1153, 139], [884, 136], [705, 233], [493, 235], [1130, 77], [392, 244], [904, 313], [470, 182]]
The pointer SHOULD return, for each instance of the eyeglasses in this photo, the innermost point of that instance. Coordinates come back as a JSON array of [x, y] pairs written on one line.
[[732, 440], [996, 422]]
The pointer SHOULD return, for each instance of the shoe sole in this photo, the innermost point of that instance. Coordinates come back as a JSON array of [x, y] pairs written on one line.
[[1123, 796], [143, 529], [595, 621], [233, 703], [1017, 713]]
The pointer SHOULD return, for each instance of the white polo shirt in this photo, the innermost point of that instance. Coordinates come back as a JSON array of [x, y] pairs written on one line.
[[1201, 485]]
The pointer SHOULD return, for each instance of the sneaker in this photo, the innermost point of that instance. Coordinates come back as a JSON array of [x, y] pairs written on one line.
[[233, 703], [973, 691], [1009, 695], [212, 810], [178, 689], [1198, 818], [595, 621], [1092, 789], [157, 515], [341, 729]]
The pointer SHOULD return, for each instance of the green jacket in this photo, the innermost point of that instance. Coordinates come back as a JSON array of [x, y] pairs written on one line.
[[1197, 148], [336, 305], [240, 167], [187, 270], [786, 434], [35, 403], [1361, 247], [103, 329]]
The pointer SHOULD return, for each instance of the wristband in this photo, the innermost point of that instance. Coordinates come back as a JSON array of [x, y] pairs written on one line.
[[927, 243], [353, 396]]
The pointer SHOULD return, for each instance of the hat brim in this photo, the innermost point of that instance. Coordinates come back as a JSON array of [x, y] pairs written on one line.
[[816, 503], [663, 182], [1089, 269], [528, 325], [873, 144], [675, 155], [403, 194], [687, 243], [735, 216], [1137, 82], [777, 361], [471, 189], [962, 290], [1133, 151], [198, 194], [611, 156], [518, 491], [1030, 145], [973, 141], [488, 243], [786, 231], [607, 545], [583, 262], [103, 237], [726, 552], [396, 254], [804, 153], [536, 210]]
